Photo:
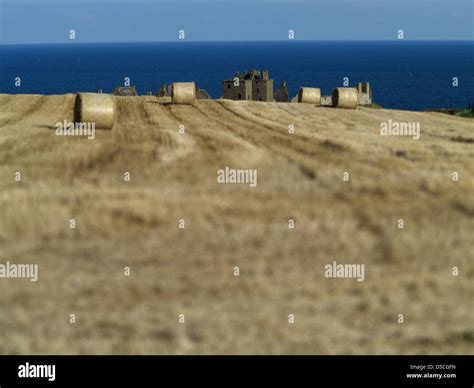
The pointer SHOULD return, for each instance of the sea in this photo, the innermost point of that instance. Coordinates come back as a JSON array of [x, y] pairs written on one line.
[[411, 75]]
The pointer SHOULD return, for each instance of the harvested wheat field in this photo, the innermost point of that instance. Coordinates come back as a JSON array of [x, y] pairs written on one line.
[[188, 273]]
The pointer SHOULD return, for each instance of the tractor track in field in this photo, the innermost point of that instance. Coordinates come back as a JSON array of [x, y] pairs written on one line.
[[264, 137]]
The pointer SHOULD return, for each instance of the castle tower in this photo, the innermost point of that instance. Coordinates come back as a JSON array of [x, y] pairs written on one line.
[[364, 93]]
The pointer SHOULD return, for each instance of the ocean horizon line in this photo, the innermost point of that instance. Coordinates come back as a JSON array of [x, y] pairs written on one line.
[[401, 41]]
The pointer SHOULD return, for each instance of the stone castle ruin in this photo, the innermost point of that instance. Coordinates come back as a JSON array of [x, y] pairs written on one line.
[[364, 93], [258, 86], [249, 85], [282, 94]]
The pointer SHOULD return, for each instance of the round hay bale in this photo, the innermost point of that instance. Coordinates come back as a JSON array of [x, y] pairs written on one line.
[[183, 93], [95, 108], [346, 98], [309, 96]]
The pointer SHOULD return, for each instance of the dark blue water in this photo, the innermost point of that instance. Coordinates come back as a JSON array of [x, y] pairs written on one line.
[[404, 75]]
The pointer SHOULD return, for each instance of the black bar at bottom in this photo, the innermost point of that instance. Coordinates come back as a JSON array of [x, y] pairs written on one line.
[[317, 371]]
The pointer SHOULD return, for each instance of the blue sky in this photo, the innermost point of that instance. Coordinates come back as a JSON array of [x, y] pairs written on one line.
[[49, 21]]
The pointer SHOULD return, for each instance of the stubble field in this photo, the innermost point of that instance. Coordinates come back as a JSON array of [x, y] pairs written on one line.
[[190, 271]]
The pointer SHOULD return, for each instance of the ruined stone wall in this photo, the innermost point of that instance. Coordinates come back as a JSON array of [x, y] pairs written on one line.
[[262, 90], [241, 92]]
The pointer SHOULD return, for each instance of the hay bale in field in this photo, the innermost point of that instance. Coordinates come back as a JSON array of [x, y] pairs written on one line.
[[309, 96], [346, 98], [183, 93], [126, 91], [95, 108]]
